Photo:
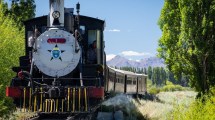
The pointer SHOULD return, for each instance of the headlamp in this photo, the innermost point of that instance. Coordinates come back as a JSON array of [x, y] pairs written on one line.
[[56, 14]]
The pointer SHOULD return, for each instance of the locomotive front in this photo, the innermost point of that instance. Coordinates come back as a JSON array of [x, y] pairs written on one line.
[[56, 79], [57, 53]]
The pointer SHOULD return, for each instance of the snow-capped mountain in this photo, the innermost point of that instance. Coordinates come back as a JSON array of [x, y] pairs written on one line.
[[120, 61]]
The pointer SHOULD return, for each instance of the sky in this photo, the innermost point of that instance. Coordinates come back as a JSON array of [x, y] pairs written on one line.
[[131, 25]]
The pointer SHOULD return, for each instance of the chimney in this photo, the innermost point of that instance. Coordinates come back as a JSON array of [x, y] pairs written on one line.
[[56, 16]]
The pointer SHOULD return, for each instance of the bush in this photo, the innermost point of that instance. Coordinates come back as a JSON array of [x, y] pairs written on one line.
[[169, 82], [172, 88], [154, 90], [169, 87]]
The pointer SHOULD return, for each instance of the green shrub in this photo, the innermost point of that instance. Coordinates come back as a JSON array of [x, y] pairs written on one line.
[[172, 88], [169, 82], [154, 90], [149, 83]]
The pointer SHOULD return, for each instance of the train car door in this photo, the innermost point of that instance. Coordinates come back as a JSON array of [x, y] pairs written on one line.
[[125, 84]]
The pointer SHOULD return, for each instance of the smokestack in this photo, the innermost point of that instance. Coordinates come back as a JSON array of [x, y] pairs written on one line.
[[56, 15]]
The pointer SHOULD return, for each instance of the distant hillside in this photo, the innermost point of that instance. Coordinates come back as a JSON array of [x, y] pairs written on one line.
[[119, 61]]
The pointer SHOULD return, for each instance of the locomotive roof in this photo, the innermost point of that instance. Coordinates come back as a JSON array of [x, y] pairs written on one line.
[[81, 16]]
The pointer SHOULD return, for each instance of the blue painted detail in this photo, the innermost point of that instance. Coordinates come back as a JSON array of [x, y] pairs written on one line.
[[55, 53]]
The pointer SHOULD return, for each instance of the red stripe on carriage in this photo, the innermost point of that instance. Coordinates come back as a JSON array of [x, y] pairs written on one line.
[[56, 40]]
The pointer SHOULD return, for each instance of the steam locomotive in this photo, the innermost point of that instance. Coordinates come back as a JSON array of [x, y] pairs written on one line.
[[57, 75]]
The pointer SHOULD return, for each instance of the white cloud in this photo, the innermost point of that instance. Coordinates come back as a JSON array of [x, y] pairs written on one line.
[[137, 60], [109, 57], [113, 30], [133, 53]]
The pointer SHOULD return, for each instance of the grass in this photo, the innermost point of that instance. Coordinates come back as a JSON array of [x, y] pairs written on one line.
[[177, 97], [20, 115], [201, 109], [159, 110]]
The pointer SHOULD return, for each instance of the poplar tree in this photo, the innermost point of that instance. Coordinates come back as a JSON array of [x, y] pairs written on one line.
[[149, 72], [188, 40]]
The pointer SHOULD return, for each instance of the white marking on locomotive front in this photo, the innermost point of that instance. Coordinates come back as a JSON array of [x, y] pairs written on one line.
[[54, 59]]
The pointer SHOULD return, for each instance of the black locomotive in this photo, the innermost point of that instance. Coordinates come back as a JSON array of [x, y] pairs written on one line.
[[64, 69]]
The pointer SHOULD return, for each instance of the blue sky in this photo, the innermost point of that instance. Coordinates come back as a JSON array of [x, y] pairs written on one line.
[[131, 25]]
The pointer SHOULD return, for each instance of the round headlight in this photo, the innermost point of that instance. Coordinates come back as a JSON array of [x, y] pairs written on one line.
[[56, 14]]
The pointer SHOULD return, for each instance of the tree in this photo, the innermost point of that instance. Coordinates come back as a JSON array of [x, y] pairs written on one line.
[[149, 72], [171, 78], [187, 44], [12, 46], [156, 76], [163, 75], [21, 11], [145, 71]]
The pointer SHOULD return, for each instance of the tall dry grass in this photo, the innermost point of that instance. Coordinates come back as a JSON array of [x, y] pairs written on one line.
[[161, 108]]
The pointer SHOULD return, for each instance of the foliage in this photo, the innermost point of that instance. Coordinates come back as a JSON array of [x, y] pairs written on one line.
[[154, 90], [158, 110], [202, 109], [166, 88], [149, 72], [12, 46], [149, 84], [20, 115], [177, 97], [20, 11], [159, 76], [187, 43], [172, 88]]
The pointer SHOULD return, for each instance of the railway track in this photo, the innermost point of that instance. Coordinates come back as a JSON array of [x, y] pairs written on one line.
[[67, 115], [80, 116]]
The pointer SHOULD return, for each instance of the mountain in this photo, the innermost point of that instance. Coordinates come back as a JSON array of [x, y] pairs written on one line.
[[120, 61]]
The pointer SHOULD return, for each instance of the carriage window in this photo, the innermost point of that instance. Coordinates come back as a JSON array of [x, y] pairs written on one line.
[[129, 81], [134, 82], [91, 36]]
